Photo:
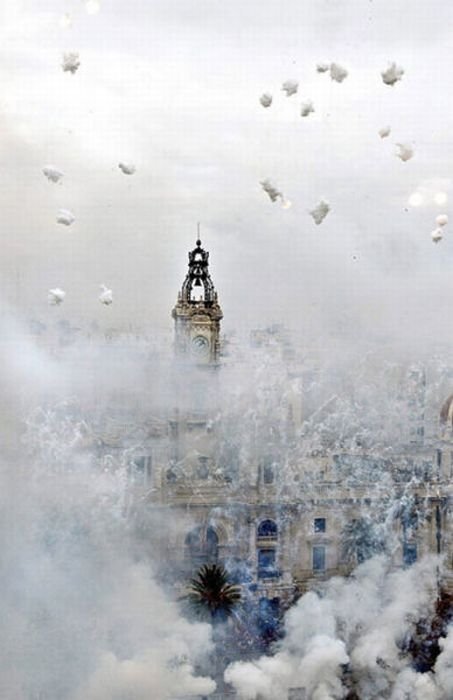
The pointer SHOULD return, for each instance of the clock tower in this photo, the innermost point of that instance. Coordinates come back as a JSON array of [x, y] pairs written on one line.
[[197, 315]]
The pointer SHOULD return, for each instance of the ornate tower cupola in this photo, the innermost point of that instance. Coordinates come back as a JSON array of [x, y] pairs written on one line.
[[197, 314]]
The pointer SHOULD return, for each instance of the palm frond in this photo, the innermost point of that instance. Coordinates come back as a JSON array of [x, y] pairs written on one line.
[[211, 594]]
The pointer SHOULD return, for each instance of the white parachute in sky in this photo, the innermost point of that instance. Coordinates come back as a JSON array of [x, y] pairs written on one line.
[[436, 235], [322, 67], [71, 62], [392, 74], [306, 108], [337, 72], [266, 99], [320, 212], [290, 87], [404, 151], [384, 132], [52, 173], [56, 296], [272, 191], [106, 295], [127, 168], [65, 217], [442, 219]]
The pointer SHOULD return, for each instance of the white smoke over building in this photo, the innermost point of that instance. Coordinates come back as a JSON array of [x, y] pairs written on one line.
[[352, 632]]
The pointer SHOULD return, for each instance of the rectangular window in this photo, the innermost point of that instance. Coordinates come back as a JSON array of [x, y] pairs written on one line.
[[319, 558], [319, 524], [268, 474], [266, 563], [409, 553], [140, 470]]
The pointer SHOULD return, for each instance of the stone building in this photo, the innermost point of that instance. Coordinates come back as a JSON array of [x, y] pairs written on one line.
[[282, 519]]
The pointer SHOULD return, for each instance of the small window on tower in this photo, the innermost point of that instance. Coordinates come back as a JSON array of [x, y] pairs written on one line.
[[319, 524], [268, 473]]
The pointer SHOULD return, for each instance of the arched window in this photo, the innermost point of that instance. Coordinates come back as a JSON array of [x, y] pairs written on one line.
[[267, 528], [202, 546]]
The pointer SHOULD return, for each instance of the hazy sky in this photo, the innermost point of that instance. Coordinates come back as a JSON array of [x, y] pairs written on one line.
[[173, 86]]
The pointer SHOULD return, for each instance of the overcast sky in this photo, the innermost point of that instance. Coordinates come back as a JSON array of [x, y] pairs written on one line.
[[173, 86]]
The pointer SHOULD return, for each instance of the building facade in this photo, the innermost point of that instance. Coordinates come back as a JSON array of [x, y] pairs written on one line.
[[282, 518]]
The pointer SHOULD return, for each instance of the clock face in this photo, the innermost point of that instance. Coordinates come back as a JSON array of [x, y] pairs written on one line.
[[200, 345]]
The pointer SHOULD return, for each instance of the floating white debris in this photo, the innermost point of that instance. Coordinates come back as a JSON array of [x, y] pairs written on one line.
[[266, 99], [436, 235], [416, 199], [392, 74], [56, 296], [272, 191], [404, 152], [290, 87], [92, 6], [65, 217], [106, 296], [52, 173], [286, 204], [66, 21], [306, 108], [71, 62], [127, 168], [322, 67], [384, 132], [441, 198], [442, 219], [337, 72], [320, 212]]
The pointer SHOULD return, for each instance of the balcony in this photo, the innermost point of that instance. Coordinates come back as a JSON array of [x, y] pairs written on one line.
[[269, 573]]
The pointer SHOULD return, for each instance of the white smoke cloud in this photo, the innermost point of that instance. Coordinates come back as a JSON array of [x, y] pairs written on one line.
[[266, 99], [358, 624], [65, 217], [404, 152], [56, 296], [52, 173], [80, 607], [442, 219], [306, 108], [71, 62], [392, 74], [437, 235], [338, 73], [320, 212], [106, 295], [290, 87], [271, 190], [127, 168], [384, 132]]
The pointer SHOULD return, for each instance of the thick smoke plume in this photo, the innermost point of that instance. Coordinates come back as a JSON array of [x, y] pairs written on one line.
[[80, 606], [352, 634]]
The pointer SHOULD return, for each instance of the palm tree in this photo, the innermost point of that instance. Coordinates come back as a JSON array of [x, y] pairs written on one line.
[[211, 594]]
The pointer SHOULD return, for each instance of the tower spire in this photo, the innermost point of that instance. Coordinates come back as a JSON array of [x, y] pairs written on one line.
[[197, 312], [198, 276]]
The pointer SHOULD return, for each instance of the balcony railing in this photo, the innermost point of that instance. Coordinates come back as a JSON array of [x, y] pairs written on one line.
[[267, 573]]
